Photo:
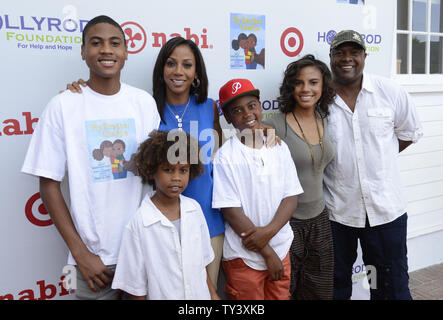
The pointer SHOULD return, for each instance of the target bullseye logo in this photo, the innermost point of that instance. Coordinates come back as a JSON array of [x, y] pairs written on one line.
[[135, 36], [291, 42], [36, 211]]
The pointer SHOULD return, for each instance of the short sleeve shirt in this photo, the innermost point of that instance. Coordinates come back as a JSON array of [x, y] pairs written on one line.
[[156, 262], [257, 180]]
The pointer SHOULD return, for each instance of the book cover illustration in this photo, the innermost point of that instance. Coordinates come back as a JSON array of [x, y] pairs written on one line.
[[247, 36], [112, 144]]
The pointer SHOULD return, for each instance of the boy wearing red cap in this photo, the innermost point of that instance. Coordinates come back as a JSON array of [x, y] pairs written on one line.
[[256, 189]]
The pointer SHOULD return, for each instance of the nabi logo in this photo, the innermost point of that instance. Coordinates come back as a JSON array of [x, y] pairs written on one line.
[[136, 36]]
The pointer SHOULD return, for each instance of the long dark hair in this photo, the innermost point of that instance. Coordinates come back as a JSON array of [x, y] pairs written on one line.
[[158, 82], [286, 99]]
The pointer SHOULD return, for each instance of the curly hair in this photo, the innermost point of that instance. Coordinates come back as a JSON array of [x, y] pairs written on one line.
[[286, 99], [156, 151]]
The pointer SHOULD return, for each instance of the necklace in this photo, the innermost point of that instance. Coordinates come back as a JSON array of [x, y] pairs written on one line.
[[310, 145], [177, 117]]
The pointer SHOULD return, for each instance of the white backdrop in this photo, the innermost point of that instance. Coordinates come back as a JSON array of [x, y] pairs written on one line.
[[40, 52]]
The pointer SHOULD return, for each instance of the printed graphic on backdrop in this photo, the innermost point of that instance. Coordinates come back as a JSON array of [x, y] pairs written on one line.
[[111, 146], [291, 42], [135, 36], [35, 33], [36, 211], [13, 127], [373, 40], [247, 41], [44, 42], [351, 1]]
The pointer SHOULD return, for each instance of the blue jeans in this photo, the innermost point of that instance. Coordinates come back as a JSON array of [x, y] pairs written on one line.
[[383, 247]]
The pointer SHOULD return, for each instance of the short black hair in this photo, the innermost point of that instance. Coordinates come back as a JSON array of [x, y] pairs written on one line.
[[101, 19]]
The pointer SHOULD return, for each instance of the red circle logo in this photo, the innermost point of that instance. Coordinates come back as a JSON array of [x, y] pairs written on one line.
[[291, 42], [36, 211], [135, 36]]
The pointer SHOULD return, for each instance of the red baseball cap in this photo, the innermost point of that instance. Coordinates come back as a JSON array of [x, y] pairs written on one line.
[[236, 88]]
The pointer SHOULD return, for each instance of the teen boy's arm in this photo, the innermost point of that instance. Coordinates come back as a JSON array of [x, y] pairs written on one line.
[[225, 197], [256, 238], [239, 222], [89, 265]]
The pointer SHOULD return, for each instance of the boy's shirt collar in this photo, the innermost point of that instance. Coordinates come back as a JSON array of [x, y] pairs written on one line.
[[154, 215]]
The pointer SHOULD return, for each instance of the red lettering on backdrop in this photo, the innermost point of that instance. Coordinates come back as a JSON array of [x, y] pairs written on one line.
[[192, 36], [160, 38], [157, 37], [13, 126], [29, 122], [46, 291]]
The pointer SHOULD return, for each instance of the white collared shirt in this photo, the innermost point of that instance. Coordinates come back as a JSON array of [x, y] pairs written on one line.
[[153, 261], [364, 178], [257, 180]]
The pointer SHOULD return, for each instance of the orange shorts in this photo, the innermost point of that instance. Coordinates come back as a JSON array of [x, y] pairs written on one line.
[[245, 283]]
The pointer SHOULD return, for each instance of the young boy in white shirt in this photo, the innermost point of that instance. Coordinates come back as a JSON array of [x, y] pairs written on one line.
[[166, 246], [256, 189]]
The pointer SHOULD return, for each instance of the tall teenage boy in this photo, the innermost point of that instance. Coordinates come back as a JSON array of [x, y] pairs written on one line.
[[89, 135]]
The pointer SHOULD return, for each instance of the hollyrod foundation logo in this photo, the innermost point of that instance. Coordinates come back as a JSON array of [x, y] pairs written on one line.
[[42, 33], [366, 274], [373, 41]]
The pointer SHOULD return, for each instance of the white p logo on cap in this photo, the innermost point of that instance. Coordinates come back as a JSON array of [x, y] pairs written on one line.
[[235, 87]]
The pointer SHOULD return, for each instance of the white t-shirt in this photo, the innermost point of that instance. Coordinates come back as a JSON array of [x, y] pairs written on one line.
[[154, 261], [363, 179], [91, 136], [256, 180]]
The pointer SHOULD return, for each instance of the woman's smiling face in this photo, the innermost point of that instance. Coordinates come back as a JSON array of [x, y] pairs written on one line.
[[179, 71]]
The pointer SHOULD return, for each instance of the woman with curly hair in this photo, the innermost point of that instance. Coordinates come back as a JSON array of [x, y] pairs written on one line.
[[305, 95]]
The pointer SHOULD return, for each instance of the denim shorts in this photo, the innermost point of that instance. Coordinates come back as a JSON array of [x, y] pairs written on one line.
[[384, 253]]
